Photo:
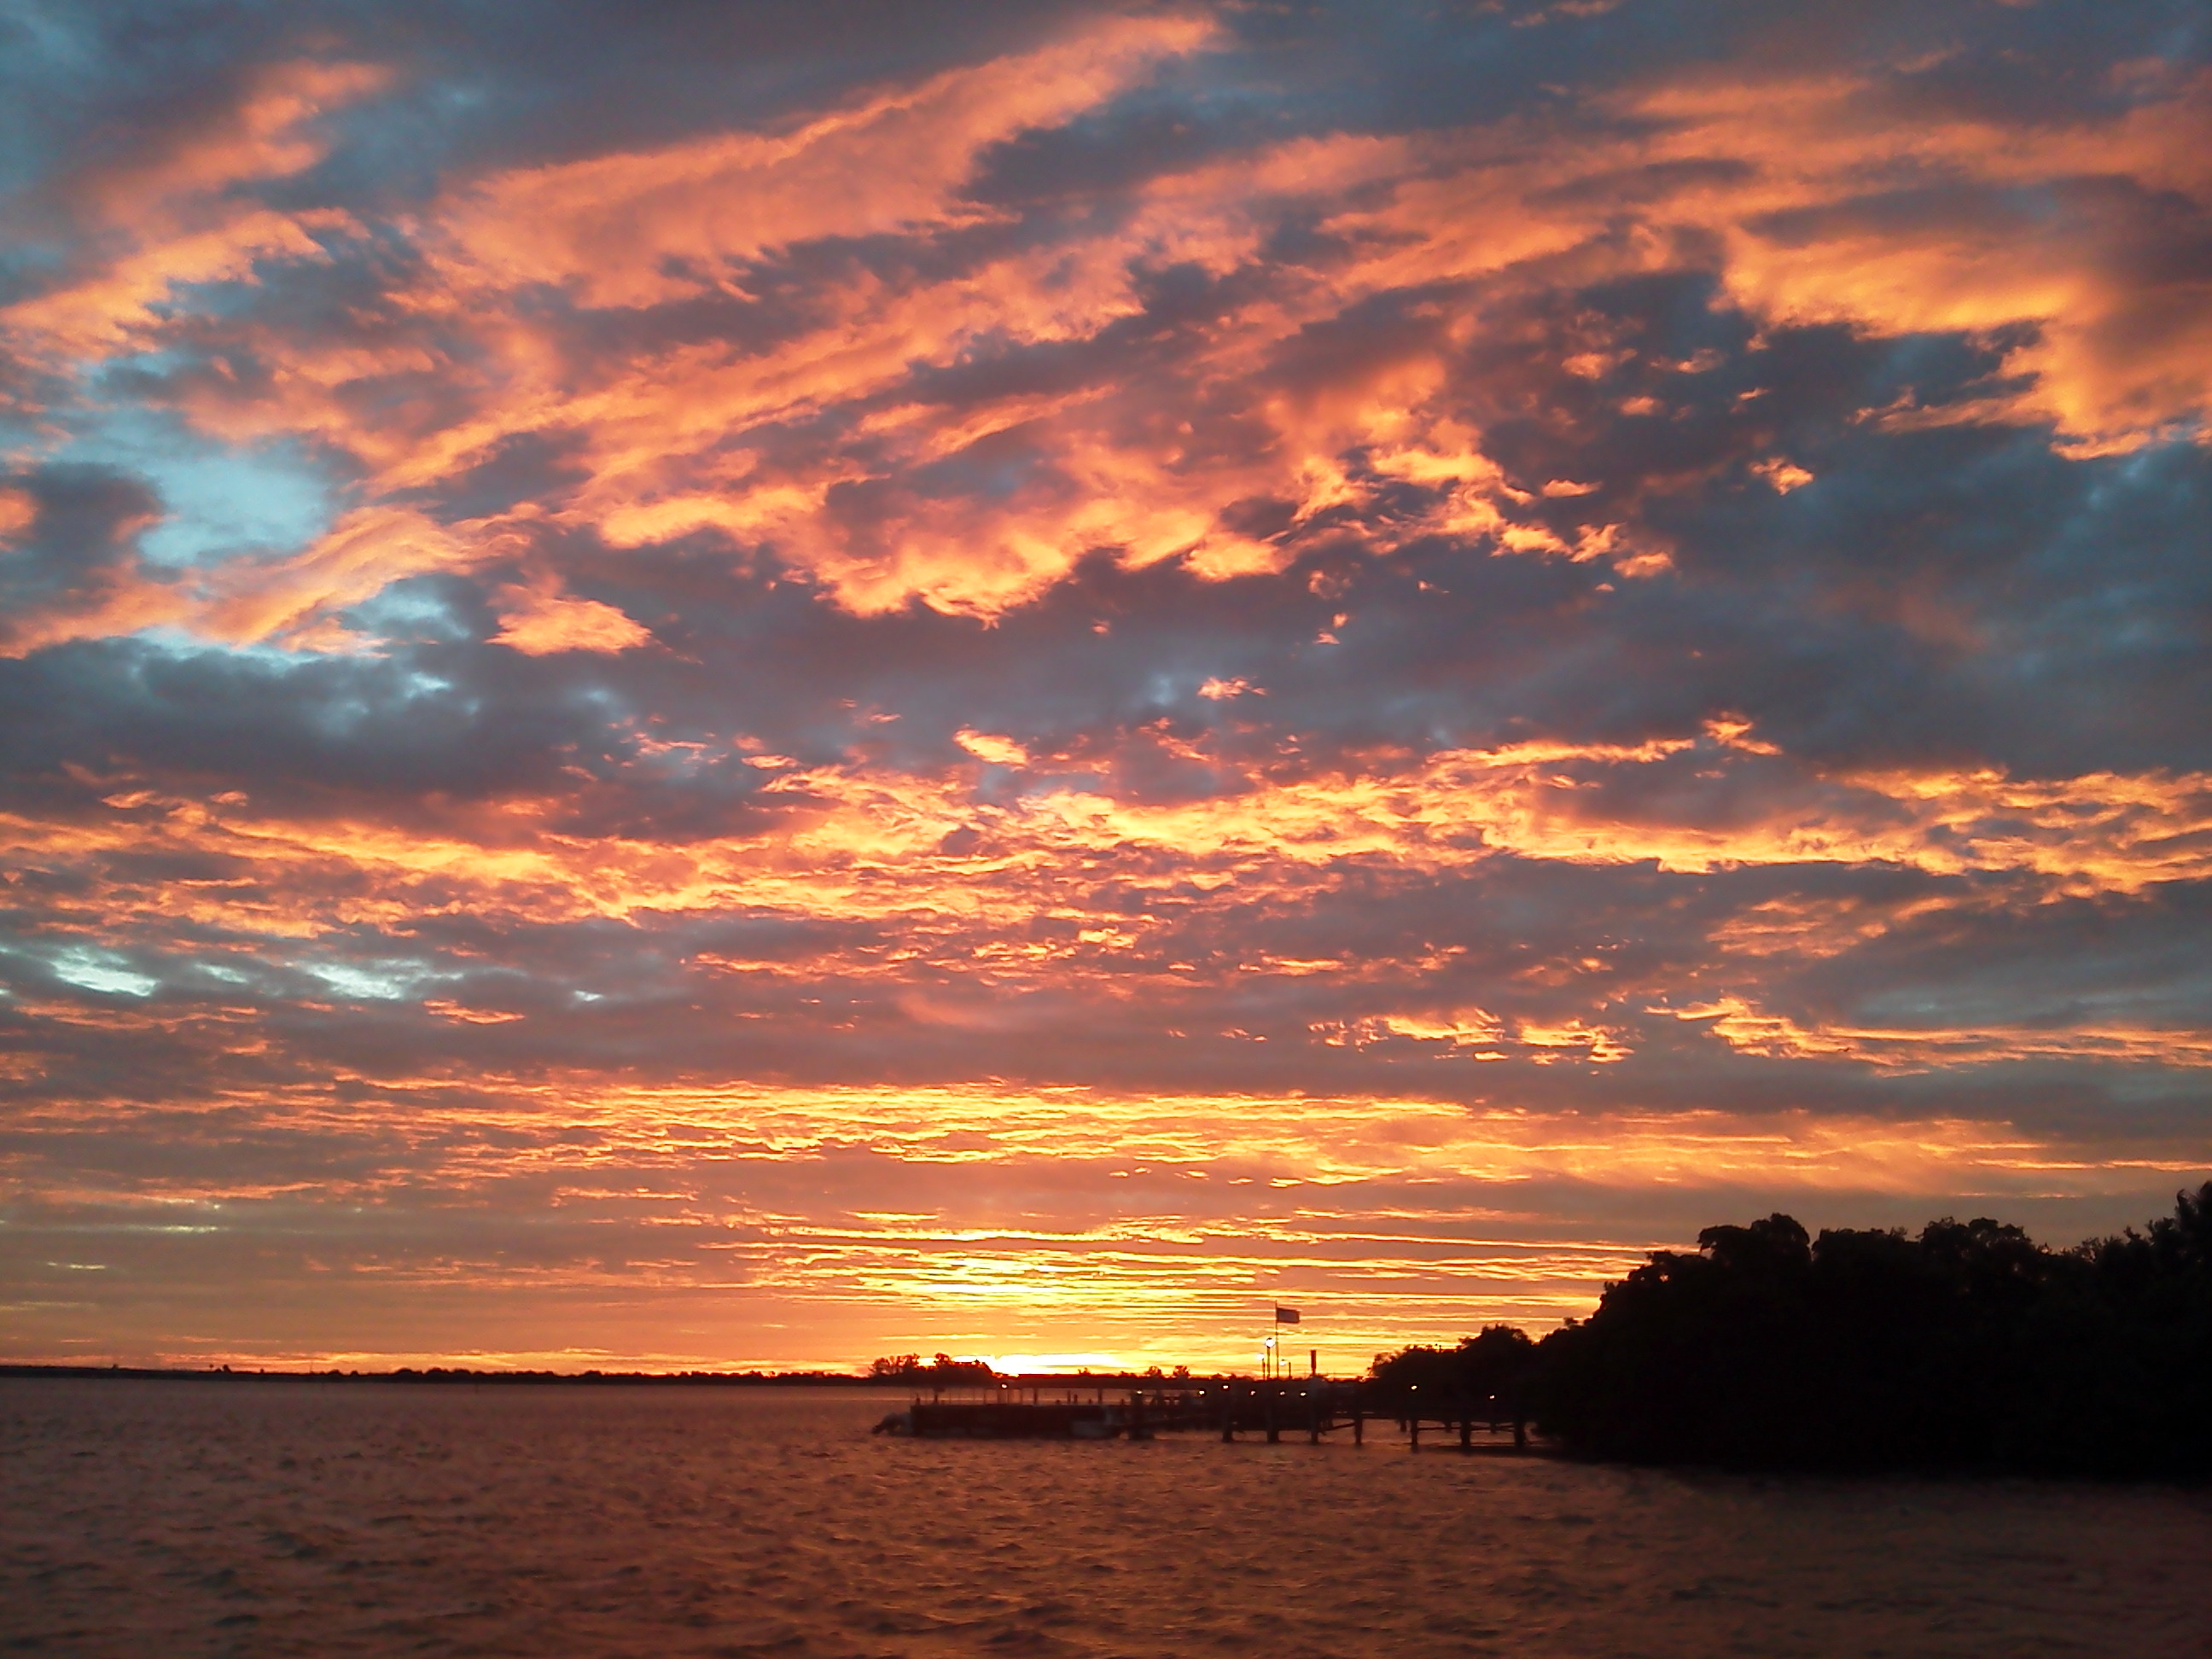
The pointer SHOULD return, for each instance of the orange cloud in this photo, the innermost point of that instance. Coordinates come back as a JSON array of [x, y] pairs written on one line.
[[123, 606], [1816, 190], [295, 600], [359, 556], [1748, 1030], [1000, 751], [638, 229], [1777, 183], [2114, 359], [173, 219], [1149, 1228], [1466, 205], [968, 880], [538, 621]]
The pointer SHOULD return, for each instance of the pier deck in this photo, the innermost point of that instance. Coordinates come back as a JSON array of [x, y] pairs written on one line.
[[1138, 1408]]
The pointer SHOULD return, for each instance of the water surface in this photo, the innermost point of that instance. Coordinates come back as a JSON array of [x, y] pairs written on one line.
[[306, 1519]]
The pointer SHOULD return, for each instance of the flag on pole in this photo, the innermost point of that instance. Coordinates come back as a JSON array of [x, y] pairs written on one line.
[[1286, 1315]]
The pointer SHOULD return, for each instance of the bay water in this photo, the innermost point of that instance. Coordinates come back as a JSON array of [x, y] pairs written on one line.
[[262, 1517]]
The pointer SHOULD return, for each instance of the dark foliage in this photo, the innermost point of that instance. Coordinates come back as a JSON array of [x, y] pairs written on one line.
[[1484, 1378], [1969, 1346], [942, 1372]]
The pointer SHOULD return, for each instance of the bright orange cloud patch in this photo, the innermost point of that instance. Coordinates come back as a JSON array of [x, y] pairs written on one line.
[[536, 621]]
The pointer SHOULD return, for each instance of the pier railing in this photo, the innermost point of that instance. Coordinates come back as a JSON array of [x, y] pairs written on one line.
[[1269, 1407]]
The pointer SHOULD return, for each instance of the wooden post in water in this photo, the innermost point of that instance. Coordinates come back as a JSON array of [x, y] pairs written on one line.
[[1228, 1412], [1313, 1415], [1275, 1416], [1414, 1430], [1466, 1424], [1359, 1415]]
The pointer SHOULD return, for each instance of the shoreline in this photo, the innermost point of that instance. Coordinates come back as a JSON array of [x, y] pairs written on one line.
[[442, 1375]]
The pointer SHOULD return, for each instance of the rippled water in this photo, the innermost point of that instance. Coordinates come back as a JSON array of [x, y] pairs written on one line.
[[291, 1518]]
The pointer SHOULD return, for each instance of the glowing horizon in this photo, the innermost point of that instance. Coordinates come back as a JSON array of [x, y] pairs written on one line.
[[726, 691]]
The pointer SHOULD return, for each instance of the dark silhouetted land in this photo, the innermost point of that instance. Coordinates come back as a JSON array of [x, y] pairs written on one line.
[[1968, 1346]]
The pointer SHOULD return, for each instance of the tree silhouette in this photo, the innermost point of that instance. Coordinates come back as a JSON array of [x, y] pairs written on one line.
[[1967, 1346], [942, 1371], [1484, 1378]]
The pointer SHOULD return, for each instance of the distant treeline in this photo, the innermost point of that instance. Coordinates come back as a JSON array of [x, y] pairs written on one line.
[[1969, 1346], [942, 1372], [445, 1374]]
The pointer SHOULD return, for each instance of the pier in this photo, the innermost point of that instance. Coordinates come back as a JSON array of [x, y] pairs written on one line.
[[1270, 1409]]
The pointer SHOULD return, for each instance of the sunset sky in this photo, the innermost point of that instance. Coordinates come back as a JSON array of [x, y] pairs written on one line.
[[761, 683]]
